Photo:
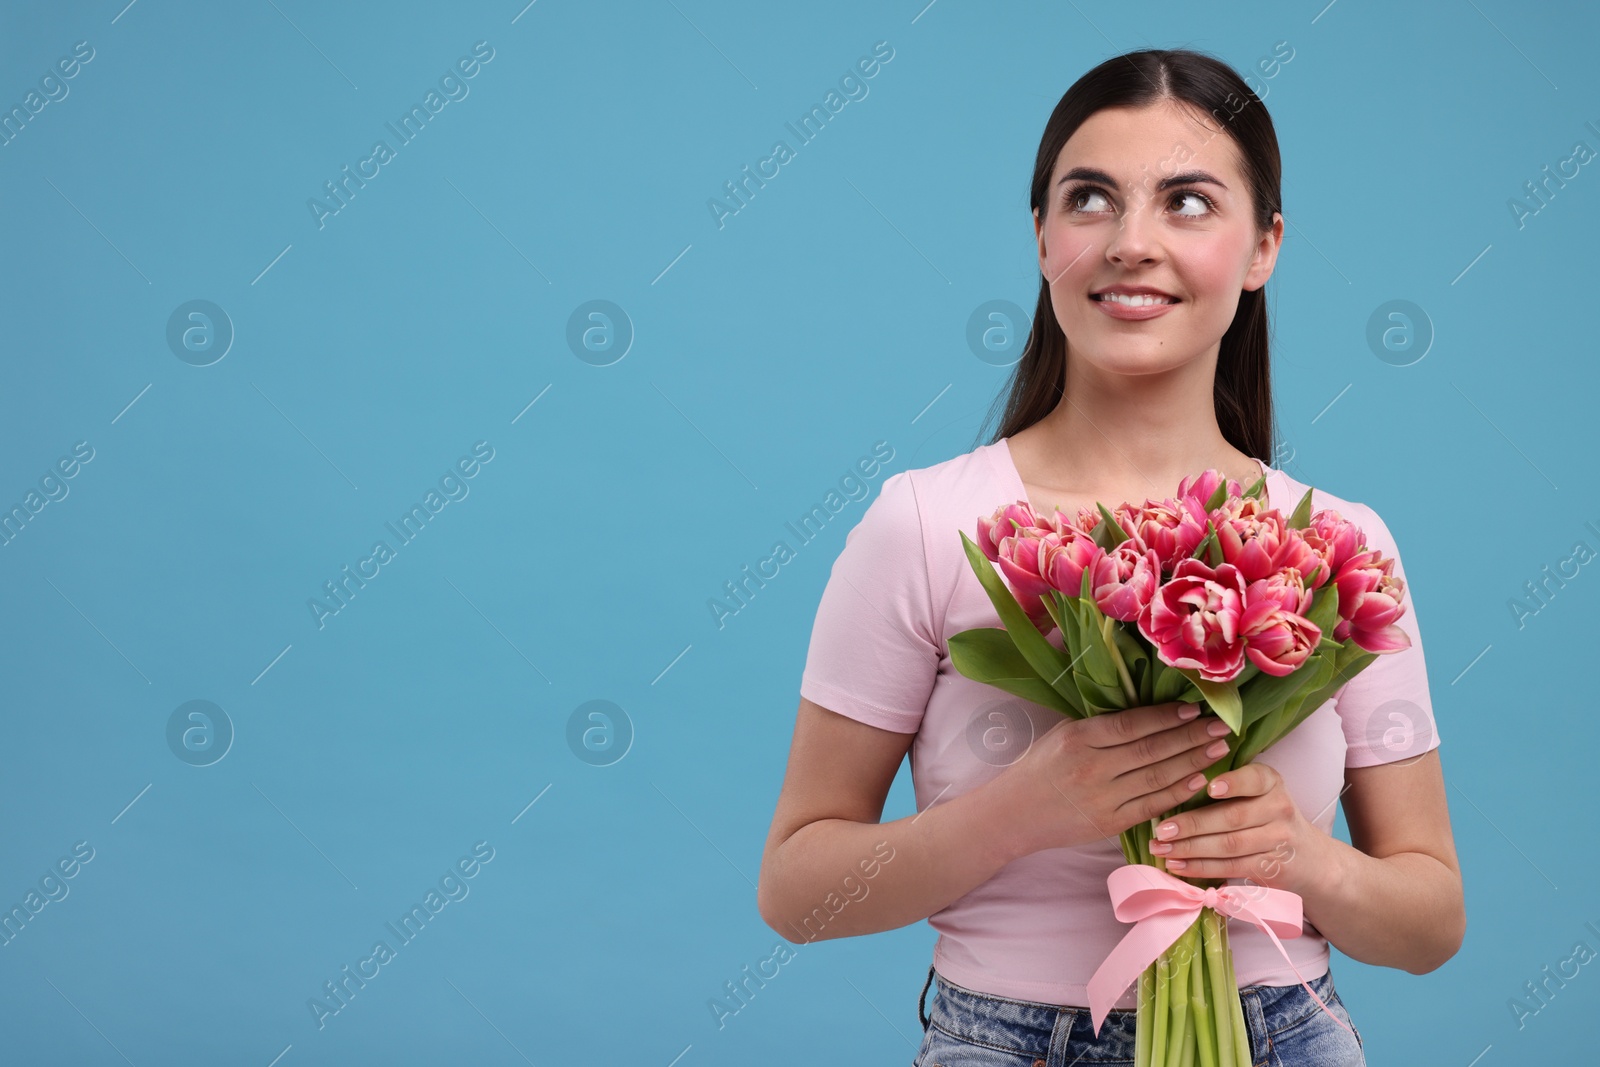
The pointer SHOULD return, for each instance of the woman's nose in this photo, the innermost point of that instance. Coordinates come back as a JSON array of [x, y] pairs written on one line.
[[1133, 241]]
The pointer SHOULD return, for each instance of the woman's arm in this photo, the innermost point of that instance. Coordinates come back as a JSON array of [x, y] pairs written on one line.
[[830, 869], [1395, 898], [825, 838]]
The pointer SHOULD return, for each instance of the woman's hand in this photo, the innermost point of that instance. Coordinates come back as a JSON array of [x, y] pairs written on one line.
[[1088, 779], [1256, 832]]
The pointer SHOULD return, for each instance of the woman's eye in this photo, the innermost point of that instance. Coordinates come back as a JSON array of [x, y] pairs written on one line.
[[1077, 197], [1091, 201]]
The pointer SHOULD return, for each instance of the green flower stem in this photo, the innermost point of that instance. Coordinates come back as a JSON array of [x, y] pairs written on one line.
[[1241, 1035], [1187, 1049], [1158, 1040], [1179, 1035], [1142, 1021], [1199, 1002], [1189, 1013], [1135, 850], [1116, 657], [1216, 945]]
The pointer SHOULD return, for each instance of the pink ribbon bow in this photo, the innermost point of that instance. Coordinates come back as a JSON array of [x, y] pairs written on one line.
[[1162, 907]]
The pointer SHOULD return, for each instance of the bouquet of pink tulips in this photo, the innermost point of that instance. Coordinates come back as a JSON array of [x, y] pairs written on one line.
[[1207, 597]]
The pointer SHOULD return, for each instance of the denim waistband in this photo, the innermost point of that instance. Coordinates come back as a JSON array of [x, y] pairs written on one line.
[[985, 1018]]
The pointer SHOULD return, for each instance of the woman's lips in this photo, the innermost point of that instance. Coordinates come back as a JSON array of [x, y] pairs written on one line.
[[1132, 314]]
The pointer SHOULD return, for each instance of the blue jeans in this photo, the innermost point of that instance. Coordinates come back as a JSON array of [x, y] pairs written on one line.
[[970, 1029]]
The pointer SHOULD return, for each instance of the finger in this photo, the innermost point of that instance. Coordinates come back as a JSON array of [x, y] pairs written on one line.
[[1150, 805], [1160, 787], [1237, 813], [1115, 728], [1251, 780], [1155, 762], [1229, 844], [1205, 733], [1214, 867]]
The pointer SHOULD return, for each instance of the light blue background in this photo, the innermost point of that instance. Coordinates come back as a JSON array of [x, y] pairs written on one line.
[[769, 355]]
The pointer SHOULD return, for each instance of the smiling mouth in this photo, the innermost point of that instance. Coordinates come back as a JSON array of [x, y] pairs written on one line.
[[1138, 300]]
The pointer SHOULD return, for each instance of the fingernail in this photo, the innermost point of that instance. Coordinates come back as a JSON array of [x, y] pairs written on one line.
[[1160, 848], [1196, 782], [1188, 711], [1176, 865], [1218, 787], [1218, 728], [1168, 829], [1217, 748]]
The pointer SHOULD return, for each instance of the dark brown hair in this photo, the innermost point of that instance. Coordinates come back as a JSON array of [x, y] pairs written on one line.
[[1242, 389]]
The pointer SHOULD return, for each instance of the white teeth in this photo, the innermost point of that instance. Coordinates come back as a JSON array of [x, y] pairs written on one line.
[[1139, 301]]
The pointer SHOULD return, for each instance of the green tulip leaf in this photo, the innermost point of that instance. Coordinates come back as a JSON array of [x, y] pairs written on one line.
[[1223, 697], [988, 654], [1214, 547], [1324, 613], [1300, 518], [1094, 659], [1171, 684], [1109, 534], [1048, 662]]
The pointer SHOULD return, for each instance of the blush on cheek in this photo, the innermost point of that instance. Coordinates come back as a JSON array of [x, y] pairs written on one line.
[[1071, 258], [1072, 263], [1213, 267]]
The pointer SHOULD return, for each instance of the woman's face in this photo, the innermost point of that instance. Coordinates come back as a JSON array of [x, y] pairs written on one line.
[[1114, 218]]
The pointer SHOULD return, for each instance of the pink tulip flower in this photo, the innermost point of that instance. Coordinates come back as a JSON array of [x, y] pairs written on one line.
[[1369, 603], [1064, 557], [1200, 486], [1193, 620], [1251, 536], [1125, 579], [1335, 538], [1171, 527], [1286, 587], [1276, 640], [1303, 552], [1006, 521]]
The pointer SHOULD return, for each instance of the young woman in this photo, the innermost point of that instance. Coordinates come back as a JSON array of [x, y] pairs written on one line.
[[1156, 212]]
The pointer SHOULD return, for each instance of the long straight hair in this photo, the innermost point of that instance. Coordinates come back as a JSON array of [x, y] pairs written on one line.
[[1242, 387]]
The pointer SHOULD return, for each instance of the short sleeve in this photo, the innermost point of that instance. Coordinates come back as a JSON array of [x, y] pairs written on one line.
[[1386, 710], [874, 651]]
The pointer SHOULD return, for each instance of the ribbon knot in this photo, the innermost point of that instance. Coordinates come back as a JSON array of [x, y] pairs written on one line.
[[1162, 907]]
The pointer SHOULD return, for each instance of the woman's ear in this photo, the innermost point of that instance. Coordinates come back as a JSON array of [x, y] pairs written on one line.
[[1266, 255], [1038, 236]]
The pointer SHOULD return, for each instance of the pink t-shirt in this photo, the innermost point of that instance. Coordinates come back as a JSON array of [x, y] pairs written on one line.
[[1041, 926]]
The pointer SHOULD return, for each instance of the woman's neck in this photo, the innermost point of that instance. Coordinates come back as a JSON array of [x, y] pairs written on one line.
[[1105, 456]]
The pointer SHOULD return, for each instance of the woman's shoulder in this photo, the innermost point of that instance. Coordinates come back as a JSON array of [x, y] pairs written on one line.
[[978, 474], [952, 493], [1321, 497], [1363, 515]]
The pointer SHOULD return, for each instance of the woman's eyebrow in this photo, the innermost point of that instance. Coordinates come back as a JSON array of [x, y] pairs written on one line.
[[1187, 177]]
